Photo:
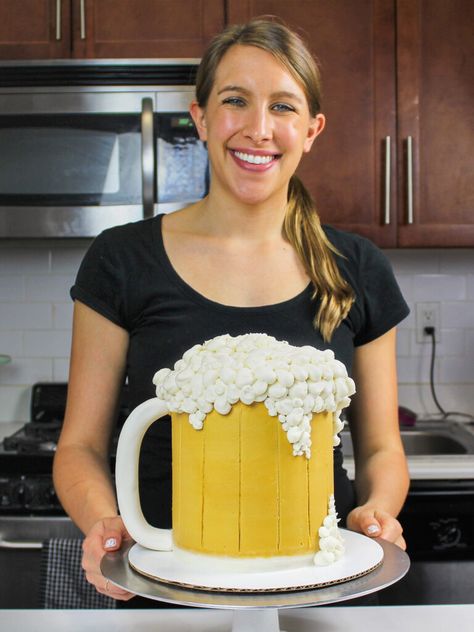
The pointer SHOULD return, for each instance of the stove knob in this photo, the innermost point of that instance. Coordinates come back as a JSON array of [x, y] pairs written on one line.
[[22, 495], [51, 497]]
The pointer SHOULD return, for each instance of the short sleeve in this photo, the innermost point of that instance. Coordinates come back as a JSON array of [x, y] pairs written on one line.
[[380, 299], [99, 282]]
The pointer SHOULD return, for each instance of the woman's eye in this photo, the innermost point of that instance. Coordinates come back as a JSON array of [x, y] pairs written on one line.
[[237, 101], [283, 107]]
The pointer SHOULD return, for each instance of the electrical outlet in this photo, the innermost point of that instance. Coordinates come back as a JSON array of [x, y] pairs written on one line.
[[427, 315]]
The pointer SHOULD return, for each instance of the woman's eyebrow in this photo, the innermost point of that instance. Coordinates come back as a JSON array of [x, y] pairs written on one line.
[[231, 88], [275, 95]]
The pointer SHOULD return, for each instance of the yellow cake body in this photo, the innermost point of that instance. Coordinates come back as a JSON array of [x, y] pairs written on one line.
[[240, 492]]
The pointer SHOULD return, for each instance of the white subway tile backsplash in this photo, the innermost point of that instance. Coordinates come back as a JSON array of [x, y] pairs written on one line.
[[458, 314], [12, 288], [405, 282], [36, 320], [60, 369], [415, 369], [24, 260], [414, 261], [404, 342], [25, 316], [452, 342], [456, 370], [11, 343], [68, 259], [62, 315], [48, 287], [15, 402], [470, 287], [409, 321], [452, 397], [456, 261], [27, 371], [447, 286], [43, 344], [469, 343]]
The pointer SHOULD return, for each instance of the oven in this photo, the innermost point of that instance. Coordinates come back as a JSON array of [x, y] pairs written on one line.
[[30, 513], [438, 515], [80, 153], [438, 522]]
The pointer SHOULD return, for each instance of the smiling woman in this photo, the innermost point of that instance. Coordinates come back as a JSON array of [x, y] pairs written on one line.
[[251, 257], [257, 125]]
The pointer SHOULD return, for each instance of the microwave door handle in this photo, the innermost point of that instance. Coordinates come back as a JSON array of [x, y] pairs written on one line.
[[20, 544], [148, 158]]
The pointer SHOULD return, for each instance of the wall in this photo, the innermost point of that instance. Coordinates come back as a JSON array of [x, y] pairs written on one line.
[[35, 319]]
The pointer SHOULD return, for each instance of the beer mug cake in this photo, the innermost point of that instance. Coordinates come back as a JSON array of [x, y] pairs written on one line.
[[254, 422]]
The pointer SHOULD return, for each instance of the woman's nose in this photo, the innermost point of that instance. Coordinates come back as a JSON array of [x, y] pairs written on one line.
[[258, 125]]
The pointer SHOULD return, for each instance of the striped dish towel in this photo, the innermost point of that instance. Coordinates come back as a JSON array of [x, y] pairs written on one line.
[[63, 583]]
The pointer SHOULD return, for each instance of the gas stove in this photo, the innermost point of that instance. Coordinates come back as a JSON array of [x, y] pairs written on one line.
[[26, 455]]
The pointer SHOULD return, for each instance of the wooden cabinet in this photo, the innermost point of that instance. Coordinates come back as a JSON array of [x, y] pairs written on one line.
[[144, 28], [391, 70], [52, 29], [435, 108], [35, 29], [394, 162]]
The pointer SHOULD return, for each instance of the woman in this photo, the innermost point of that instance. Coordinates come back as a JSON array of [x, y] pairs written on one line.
[[250, 257]]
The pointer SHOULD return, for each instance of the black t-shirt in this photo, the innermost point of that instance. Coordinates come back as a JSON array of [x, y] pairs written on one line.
[[127, 277]]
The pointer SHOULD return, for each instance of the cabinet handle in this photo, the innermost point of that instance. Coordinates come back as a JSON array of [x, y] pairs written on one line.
[[410, 179], [387, 180], [58, 19], [83, 19], [148, 158]]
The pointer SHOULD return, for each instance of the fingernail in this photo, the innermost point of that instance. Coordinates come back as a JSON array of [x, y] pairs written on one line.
[[110, 543], [373, 528]]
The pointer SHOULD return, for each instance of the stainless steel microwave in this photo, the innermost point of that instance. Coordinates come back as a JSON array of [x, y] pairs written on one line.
[[76, 159]]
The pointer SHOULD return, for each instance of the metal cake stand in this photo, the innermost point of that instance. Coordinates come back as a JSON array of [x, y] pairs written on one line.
[[256, 611]]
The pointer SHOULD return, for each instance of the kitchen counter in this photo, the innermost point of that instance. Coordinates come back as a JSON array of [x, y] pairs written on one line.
[[432, 467], [337, 619]]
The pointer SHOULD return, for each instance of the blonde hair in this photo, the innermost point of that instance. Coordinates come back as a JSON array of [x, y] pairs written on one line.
[[302, 226]]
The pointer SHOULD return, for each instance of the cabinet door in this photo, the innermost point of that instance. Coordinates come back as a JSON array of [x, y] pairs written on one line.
[[346, 169], [435, 101], [145, 28], [35, 29]]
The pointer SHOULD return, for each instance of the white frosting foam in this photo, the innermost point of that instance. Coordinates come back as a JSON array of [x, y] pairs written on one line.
[[331, 542], [292, 382]]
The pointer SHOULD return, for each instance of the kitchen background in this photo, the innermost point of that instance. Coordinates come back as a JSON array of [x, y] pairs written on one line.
[[36, 315], [397, 92]]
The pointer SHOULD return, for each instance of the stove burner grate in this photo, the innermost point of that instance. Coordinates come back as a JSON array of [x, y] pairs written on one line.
[[34, 438]]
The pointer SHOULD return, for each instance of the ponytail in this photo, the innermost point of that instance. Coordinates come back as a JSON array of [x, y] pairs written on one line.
[[303, 230]]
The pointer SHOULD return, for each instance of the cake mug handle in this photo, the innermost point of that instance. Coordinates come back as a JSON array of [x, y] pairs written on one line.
[[126, 476]]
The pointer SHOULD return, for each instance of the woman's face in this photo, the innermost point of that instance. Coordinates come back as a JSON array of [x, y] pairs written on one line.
[[257, 125]]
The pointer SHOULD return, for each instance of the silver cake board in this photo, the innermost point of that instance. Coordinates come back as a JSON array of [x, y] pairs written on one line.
[[256, 611]]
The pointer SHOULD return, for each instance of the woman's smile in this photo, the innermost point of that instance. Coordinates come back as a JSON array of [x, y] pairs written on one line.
[[253, 160]]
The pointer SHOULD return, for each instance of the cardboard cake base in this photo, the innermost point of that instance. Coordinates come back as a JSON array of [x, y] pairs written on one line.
[[362, 556]]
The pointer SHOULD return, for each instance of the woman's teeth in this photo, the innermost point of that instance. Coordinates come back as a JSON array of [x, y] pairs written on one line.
[[254, 160]]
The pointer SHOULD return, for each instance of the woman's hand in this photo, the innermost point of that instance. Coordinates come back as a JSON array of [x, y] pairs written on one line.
[[376, 523], [105, 536]]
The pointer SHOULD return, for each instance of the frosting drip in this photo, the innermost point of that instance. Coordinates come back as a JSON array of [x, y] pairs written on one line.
[[331, 542], [292, 382]]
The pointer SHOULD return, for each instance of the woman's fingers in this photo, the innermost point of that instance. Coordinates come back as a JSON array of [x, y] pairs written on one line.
[[106, 535], [376, 523]]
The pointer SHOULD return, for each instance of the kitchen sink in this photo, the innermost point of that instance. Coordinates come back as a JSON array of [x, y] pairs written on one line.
[[420, 442], [428, 438]]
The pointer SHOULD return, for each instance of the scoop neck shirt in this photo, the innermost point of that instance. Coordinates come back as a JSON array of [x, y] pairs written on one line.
[[127, 277]]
